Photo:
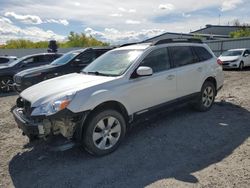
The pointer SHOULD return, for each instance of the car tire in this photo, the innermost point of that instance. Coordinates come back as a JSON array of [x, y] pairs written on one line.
[[241, 66], [206, 97], [104, 132], [6, 84]]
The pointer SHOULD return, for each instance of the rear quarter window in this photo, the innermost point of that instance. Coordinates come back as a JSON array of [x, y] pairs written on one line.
[[202, 53]]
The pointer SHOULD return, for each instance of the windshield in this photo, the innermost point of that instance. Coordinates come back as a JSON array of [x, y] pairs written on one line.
[[232, 53], [113, 63], [65, 58], [13, 63]]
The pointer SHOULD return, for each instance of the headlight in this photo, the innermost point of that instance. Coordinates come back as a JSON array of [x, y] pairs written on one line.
[[54, 106]]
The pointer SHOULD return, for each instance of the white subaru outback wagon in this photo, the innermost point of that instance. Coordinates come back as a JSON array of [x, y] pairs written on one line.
[[95, 108]]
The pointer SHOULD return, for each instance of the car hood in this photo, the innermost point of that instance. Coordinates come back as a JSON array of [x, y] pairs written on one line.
[[229, 58], [34, 70], [58, 87]]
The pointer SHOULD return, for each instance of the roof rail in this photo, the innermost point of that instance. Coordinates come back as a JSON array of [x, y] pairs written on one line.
[[176, 40], [128, 44]]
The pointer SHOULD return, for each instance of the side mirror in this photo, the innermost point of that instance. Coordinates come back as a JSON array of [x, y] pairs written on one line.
[[246, 55], [144, 71]]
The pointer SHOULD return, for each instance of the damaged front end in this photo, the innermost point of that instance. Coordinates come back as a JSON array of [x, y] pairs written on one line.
[[65, 122]]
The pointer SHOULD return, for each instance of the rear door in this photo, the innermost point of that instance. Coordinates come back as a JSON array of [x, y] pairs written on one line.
[[189, 69]]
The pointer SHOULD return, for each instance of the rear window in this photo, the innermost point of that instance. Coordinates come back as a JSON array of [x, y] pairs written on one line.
[[202, 53]]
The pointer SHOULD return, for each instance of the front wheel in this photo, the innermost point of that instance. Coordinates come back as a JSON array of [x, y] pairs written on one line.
[[241, 66], [206, 97], [104, 132]]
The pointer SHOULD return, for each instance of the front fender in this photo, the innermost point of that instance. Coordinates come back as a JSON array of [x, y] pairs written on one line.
[[94, 99]]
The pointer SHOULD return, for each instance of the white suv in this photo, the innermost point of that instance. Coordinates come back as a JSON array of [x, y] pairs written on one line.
[[95, 107]]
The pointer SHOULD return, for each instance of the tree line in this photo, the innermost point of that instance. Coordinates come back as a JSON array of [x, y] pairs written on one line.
[[73, 40]]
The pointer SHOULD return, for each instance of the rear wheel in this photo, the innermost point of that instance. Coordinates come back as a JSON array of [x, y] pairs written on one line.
[[6, 84], [206, 97], [104, 132]]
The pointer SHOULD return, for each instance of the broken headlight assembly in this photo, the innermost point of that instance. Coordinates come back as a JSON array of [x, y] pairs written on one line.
[[54, 106]]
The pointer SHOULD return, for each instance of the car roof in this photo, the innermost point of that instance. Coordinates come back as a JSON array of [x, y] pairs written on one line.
[[140, 46], [32, 55], [238, 49], [94, 48], [8, 57]]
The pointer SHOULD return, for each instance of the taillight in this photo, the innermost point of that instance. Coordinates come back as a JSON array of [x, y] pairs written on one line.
[[219, 62]]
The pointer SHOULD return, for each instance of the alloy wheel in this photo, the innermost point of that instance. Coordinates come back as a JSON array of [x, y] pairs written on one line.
[[106, 133], [208, 96], [6, 85]]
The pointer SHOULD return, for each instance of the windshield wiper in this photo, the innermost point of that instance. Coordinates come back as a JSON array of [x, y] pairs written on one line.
[[97, 73]]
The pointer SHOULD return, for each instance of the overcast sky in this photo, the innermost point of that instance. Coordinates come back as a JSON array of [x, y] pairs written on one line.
[[114, 21]]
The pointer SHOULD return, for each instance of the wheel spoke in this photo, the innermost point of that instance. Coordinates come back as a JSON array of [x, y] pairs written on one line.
[[102, 144], [205, 92], [111, 122], [112, 140], [208, 103], [101, 124], [116, 129], [97, 136], [209, 90], [204, 99]]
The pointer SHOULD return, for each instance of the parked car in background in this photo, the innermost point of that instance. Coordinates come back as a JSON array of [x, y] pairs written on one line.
[[7, 71], [70, 62], [95, 107], [7, 59], [235, 58]]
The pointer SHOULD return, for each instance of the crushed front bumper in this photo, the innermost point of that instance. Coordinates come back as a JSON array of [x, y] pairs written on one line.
[[65, 123], [28, 127]]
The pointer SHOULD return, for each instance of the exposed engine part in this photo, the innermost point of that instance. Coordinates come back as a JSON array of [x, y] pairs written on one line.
[[65, 127]]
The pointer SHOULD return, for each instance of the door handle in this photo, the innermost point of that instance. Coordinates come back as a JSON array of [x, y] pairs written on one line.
[[170, 77], [199, 69]]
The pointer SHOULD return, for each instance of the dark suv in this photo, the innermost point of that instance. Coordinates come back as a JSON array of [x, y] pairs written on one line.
[[9, 70], [73, 61]]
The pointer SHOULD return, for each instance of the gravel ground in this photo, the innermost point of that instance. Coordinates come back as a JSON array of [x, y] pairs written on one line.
[[180, 148]]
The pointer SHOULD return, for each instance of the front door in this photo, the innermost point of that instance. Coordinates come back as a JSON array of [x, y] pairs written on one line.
[[150, 91]]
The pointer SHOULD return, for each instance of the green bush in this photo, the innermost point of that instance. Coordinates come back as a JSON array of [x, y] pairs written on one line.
[[73, 40], [245, 32]]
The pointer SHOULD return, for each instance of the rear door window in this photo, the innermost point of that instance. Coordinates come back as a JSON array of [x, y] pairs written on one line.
[[202, 53], [182, 55]]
